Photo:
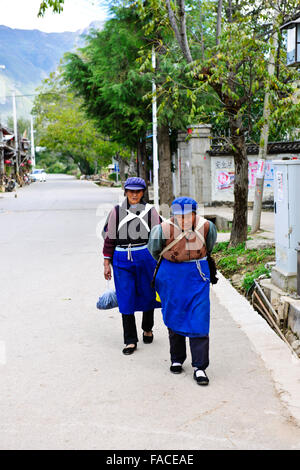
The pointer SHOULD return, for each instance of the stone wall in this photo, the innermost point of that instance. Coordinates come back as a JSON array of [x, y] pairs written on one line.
[[193, 169], [209, 178]]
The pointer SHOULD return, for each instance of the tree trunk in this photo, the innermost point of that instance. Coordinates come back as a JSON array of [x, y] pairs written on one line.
[[83, 166], [122, 165], [165, 168], [240, 220], [264, 139], [142, 165], [201, 29], [2, 169], [132, 169], [219, 22]]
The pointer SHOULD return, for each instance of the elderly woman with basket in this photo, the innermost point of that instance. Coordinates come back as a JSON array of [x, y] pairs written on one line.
[[182, 246], [125, 250]]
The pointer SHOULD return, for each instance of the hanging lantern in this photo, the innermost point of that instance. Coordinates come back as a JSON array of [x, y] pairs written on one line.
[[293, 42]]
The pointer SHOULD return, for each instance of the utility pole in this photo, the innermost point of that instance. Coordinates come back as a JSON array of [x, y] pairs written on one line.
[[264, 136], [15, 130], [2, 87], [154, 124], [2, 101], [2, 187], [32, 143]]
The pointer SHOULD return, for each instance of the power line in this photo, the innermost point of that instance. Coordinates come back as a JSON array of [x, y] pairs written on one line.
[[35, 94]]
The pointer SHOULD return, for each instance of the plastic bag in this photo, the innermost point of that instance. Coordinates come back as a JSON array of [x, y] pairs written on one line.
[[107, 300]]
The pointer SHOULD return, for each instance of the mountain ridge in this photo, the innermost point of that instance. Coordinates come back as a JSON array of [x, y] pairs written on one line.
[[29, 55]]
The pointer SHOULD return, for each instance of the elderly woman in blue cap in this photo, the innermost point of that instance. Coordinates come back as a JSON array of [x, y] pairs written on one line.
[[181, 245], [126, 234]]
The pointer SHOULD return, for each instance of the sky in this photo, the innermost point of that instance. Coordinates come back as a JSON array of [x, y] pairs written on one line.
[[77, 14]]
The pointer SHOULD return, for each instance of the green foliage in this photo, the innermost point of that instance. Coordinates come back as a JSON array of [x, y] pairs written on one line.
[[63, 128], [55, 163], [255, 257], [230, 250], [228, 81], [251, 276], [56, 6], [228, 264], [24, 125], [106, 75], [232, 260], [112, 176]]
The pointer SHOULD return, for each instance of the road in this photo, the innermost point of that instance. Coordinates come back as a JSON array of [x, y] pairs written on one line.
[[64, 383]]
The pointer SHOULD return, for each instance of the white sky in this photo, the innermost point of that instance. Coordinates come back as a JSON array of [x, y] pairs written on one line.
[[77, 14]]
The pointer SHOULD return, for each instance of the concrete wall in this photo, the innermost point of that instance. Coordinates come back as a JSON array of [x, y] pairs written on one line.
[[193, 164], [210, 179], [222, 174]]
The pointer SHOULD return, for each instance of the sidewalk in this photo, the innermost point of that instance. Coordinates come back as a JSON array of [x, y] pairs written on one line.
[[284, 367], [8, 195], [266, 227], [65, 382]]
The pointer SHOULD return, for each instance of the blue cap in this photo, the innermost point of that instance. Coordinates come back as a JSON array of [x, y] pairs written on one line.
[[135, 183], [183, 205]]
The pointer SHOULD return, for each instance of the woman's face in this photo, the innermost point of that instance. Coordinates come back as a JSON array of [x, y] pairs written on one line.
[[186, 221], [134, 195]]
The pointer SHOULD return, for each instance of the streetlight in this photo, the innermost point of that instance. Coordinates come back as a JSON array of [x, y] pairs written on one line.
[[2, 87], [154, 124], [293, 41], [32, 142]]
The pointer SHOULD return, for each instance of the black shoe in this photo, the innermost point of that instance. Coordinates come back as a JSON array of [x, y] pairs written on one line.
[[176, 369], [201, 379], [148, 339], [129, 350]]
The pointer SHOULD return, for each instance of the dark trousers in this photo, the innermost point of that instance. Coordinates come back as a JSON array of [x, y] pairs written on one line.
[[199, 349], [129, 326]]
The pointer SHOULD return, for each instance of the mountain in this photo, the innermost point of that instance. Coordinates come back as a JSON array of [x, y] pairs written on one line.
[[29, 56]]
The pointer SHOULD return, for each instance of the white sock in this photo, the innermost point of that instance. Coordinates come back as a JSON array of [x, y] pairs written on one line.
[[176, 364], [200, 373]]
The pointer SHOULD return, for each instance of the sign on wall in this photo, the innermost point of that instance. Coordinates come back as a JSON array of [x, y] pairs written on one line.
[[225, 179], [225, 173]]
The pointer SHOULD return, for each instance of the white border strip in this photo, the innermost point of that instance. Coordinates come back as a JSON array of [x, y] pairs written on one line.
[[2, 353], [278, 359]]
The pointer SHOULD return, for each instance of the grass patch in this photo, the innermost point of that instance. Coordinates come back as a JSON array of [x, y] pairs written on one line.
[[249, 264], [250, 276]]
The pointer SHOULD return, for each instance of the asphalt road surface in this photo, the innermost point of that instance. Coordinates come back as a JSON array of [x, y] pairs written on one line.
[[64, 383]]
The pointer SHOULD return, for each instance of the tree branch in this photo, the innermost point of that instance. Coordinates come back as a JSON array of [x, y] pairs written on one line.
[[180, 32], [219, 22], [182, 24]]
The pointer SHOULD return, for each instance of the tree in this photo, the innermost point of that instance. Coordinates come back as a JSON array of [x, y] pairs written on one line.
[[63, 128], [235, 70], [273, 72], [106, 76], [56, 5], [23, 125], [109, 76], [264, 136], [117, 90]]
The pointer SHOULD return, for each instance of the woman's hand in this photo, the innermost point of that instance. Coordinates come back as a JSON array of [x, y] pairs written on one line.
[[107, 269]]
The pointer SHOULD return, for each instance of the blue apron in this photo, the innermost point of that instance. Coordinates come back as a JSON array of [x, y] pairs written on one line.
[[184, 292], [133, 272]]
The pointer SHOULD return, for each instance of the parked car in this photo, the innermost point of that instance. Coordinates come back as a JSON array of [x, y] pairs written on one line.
[[38, 175]]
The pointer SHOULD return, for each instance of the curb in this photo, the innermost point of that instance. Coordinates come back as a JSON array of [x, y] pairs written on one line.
[[8, 195], [278, 359]]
